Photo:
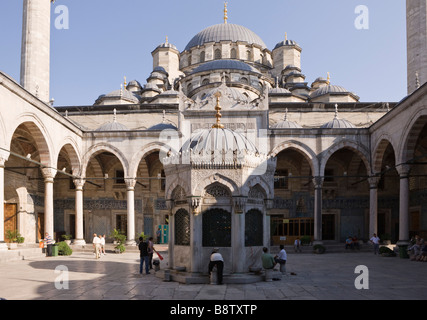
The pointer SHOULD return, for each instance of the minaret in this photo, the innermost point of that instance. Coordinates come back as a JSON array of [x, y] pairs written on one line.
[[416, 37], [35, 50]]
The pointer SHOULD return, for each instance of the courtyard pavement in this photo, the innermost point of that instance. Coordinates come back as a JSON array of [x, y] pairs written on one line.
[[329, 276]]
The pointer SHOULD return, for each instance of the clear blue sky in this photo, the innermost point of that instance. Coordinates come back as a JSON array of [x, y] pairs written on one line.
[[110, 39]]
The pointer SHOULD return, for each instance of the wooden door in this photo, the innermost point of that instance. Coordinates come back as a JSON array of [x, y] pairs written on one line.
[[10, 218], [40, 225], [328, 226]]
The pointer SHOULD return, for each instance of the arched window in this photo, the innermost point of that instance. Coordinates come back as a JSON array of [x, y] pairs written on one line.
[[218, 54], [216, 228], [248, 55], [202, 56], [233, 54], [182, 228], [253, 228], [189, 60], [244, 80], [205, 81]]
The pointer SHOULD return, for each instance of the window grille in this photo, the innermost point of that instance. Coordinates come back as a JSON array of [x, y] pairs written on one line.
[[253, 228], [182, 228], [216, 228]]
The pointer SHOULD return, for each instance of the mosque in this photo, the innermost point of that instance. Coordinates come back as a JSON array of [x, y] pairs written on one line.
[[226, 144]]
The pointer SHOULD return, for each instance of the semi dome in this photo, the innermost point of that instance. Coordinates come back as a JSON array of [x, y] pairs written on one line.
[[218, 139], [225, 32], [230, 92], [225, 64]]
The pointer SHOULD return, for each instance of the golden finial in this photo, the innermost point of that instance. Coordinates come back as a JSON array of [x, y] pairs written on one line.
[[218, 115], [125, 81], [328, 81], [286, 36], [225, 13], [167, 40]]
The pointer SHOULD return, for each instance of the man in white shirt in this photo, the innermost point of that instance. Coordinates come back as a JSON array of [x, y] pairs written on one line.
[[97, 246], [216, 260], [376, 241], [281, 258]]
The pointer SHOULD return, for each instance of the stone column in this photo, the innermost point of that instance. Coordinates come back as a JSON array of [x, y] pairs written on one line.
[[3, 245], [79, 240], [318, 183], [373, 204], [238, 242], [48, 175], [403, 171], [130, 190]]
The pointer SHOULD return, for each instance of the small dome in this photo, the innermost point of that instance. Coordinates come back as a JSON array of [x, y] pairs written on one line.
[[285, 43], [286, 124], [134, 83], [162, 126], [328, 89], [218, 139], [337, 123], [225, 32], [151, 87], [113, 126], [224, 64], [122, 94], [167, 45]]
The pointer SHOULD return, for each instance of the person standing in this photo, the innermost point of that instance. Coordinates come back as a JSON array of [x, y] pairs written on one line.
[[96, 245], [102, 245], [158, 235], [143, 254], [48, 243], [297, 245], [150, 252], [217, 260], [376, 241]]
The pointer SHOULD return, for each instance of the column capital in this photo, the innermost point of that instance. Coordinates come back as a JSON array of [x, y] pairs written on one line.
[[318, 182], [48, 174], [403, 170], [373, 181], [79, 183], [130, 183]]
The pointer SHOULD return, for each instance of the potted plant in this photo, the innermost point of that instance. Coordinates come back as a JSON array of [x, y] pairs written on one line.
[[119, 240], [67, 238], [12, 236], [318, 248], [64, 249]]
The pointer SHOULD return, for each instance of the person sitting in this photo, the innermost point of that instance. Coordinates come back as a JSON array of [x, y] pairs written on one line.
[[355, 243], [349, 243], [267, 259], [281, 259]]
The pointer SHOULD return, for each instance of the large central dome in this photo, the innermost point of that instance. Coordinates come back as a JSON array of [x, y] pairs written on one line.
[[225, 32]]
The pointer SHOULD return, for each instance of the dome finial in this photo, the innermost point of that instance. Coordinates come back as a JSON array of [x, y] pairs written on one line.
[[114, 115], [286, 115], [125, 81], [328, 81], [225, 13], [286, 36], [218, 115], [336, 111]]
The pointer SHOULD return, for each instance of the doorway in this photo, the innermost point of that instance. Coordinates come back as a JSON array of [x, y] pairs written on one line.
[[10, 218], [328, 226], [40, 225]]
